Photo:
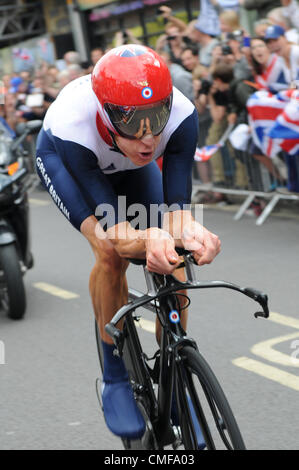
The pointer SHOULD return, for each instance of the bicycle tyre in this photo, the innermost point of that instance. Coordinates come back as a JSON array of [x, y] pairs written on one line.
[[197, 376], [14, 301]]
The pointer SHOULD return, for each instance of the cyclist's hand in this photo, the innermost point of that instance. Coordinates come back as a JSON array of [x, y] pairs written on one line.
[[203, 244], [161, 256]]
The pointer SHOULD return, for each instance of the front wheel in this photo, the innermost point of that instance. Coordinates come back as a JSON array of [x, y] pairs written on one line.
[[12, 290], [198, 388]]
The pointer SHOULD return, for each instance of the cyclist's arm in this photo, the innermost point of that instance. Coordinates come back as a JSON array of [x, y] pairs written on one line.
[[72, 176], [177, 179], [80, 183], [178, 163]]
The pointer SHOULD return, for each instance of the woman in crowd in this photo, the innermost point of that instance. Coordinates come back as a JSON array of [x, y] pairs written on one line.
[[268, 68]]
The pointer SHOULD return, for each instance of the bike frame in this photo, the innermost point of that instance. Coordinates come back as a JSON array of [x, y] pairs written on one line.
[[160, 299]]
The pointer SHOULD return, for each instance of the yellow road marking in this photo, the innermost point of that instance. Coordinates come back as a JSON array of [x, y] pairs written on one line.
[[268, 372], [38, 202], [266, 351], [284, 320], [53, 290]]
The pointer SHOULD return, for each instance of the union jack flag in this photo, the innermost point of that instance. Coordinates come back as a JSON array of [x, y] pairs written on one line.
[[275, 76], [130, 50], [205, 153], [274, 121]]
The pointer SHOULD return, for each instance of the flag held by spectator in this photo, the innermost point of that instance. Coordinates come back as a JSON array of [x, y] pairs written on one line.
[[274, 122], [205, 153]]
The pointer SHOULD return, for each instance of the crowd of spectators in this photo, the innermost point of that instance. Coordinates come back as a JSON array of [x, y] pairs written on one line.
[[213, 60]]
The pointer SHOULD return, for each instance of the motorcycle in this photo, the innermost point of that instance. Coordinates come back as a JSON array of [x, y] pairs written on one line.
[[15, 254]]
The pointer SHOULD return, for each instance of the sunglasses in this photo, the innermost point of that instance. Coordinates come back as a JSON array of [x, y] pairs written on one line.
[[133, 122]]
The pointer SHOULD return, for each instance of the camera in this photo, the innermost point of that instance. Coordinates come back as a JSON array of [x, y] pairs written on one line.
[[205, 87], [236, 35], [187, 40], [159, 11], [226, 49]]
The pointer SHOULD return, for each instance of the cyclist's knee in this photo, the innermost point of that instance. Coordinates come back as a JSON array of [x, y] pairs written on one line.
[[108, 260]]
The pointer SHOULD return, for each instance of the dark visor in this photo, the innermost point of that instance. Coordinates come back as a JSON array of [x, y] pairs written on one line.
[[133, 122]]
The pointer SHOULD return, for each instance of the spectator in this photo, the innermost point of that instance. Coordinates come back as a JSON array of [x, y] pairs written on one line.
[[200, 76], [190, 58], [276, 17], [72, 57], [181, 79], [242, 69], [204, 37], [10, 110], [166, 13], [6, 82], [278, 44], [229, 22], [125, 36], [261, 26], [231, 92], [268, 68], [63, 78], [96, 54], [262, 7], [172, 43], [75, 71], [53, 73], [15, 83], [4, 126], [290, 11], [228, 98]]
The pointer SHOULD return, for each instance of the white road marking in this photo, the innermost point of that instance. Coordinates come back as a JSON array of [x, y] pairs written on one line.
[[268, 372], [56, 291], [76, 423]]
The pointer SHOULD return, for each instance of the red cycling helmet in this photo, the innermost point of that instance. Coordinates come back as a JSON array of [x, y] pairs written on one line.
[[134, 90]]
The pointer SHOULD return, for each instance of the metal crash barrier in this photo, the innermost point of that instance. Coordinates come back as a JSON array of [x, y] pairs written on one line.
[[277, 181]]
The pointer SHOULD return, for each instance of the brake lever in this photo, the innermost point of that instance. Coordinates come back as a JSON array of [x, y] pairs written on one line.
[[260, 298]]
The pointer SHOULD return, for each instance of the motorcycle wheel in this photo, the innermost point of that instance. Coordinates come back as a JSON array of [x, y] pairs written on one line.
[[13, 297]]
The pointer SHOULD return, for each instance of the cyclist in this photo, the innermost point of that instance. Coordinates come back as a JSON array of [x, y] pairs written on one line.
[[99, 141]]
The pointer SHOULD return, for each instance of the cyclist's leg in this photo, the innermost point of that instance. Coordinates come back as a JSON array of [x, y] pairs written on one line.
[[108, 290], [107, 285]]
